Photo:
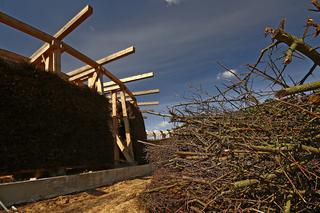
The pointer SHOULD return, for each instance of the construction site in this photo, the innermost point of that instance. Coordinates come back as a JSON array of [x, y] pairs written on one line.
[[77, 140]]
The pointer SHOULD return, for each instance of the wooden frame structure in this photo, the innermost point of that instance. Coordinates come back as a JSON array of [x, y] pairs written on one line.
[[48, 58]]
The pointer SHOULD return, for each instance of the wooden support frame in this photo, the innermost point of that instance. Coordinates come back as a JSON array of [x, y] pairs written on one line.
[[63, 32], [49, 56], [118, 145], [19, 25]]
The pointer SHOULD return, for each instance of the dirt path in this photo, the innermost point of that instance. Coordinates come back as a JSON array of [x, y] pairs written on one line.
[[120, 197]]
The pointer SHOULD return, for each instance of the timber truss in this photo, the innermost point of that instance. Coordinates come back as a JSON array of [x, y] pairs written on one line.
[[48, 58]]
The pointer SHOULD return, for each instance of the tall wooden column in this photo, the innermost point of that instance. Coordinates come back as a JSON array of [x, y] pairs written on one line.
[[56, 60], [115, 126], [126, 122]]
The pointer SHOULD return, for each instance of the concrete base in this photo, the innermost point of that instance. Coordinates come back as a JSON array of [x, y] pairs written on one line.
[[30, 191]]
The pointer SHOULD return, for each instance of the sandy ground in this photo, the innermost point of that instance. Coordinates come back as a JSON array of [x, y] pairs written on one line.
[[120, 197]]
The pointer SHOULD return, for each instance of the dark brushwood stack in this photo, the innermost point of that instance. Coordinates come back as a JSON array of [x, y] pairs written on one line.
[[48, 123]]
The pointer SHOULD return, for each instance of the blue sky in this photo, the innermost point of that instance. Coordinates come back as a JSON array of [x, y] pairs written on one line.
[[180, 40]]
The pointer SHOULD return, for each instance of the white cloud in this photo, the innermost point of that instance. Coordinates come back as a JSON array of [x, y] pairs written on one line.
[[171, 2], [163, 124], [226, 74]]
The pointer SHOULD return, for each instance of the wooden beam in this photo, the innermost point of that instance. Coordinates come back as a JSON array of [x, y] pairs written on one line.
[[82, 76], [126, 80], [115, 127], [64, 31], [152, 112], [98, 85], [126, 123], [23, 27], [13, 56], [101, 61], [48, 64], [92, 80], [131, 79], [148, 103], [144, 92], [56, 60]]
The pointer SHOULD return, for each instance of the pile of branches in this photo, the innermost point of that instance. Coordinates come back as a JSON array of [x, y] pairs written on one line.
[[253, 147], [263, 158]]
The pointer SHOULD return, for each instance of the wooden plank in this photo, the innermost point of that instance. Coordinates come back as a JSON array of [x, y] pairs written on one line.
[[126, 123], [101, 61], [48, 64], [92, 80], [82, 76], [13, 56], [23, 27], [98, 85], [115, 127], [56, 60], [148, 103], [131, 79], [112, 88], [64, 31], [144, 92]]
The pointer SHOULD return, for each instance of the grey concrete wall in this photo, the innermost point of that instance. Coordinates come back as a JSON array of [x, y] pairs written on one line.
[[30, 191]]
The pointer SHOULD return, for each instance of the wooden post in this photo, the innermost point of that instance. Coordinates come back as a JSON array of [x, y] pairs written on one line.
[[56, 60], [92, 80], [126, 122], [98, 85], [49, 64], [115, 126], [53, 60]]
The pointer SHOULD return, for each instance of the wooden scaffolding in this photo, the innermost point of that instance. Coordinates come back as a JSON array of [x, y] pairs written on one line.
[[48, 58]]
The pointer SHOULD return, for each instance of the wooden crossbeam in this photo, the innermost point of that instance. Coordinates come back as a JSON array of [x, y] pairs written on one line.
[[148, 103], [130, 79], [63, 32], [19, 25], [87, 70], [82, 76], [144, 92], [111, 86], [13, 56]]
